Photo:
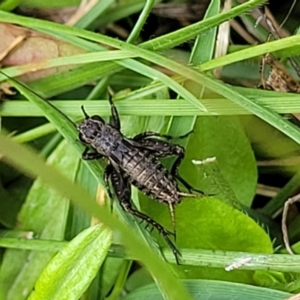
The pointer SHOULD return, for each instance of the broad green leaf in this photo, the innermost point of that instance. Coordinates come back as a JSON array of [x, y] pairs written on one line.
[[73, 268], [223, 138], [44, 212], [213, 290], [211, 224], [208, 223]]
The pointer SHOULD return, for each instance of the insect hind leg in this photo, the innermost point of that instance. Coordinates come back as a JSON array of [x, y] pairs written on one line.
[[122, 189], [164, 232]]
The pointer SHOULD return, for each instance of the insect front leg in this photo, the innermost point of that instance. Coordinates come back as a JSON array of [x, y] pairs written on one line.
[[123, 192], [114, 114], [88, 155]]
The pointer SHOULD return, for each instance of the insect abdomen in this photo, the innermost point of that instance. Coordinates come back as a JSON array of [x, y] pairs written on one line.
[[148, 175]]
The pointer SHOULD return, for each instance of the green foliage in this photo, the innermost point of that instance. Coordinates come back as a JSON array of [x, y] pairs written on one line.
[[69, 257], [224, 139]]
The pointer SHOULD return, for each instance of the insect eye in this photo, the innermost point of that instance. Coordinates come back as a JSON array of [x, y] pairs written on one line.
[[97, 118]]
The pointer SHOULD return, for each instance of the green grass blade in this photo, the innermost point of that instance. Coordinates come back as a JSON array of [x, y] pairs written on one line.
[[141, 21], [93, 14], [190, 257], [213, 289], [147, 107], [182, 35], [251, 52]]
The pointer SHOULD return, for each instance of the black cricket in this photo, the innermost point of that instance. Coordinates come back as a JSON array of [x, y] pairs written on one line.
[[135, 161]]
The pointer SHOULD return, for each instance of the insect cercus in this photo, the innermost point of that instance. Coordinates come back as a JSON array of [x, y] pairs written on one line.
[[135, 161]]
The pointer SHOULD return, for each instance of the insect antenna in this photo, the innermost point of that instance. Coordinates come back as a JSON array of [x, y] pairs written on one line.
[[84, 112]]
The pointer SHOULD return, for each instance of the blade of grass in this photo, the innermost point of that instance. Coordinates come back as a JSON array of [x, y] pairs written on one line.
[[177, 37], [65, 61], [161, 43], [124, 9], [251, 52], [203, 49], [215, 289], [93, 14], [9, 5], [192, 257], [146, 107], [150, 72], [90, 57], [57, 282], [277, 202], [141, 21], [34, 133], [62, 82]]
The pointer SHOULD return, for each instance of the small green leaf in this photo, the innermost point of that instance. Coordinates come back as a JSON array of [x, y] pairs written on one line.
[[72, 269]]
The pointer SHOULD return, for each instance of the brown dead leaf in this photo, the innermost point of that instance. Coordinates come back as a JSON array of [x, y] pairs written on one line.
[[57, 14], [16, 42], [37, 47]]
